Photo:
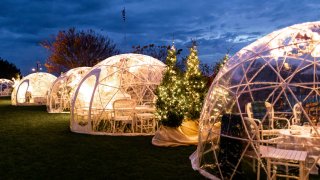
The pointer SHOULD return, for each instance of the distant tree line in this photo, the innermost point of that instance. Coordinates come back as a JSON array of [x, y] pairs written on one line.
[[71, 48], [8, 70], [74, 48]]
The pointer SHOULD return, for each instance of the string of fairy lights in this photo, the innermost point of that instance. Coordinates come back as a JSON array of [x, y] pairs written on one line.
[[195, 85], [168, 90], [181, 93]]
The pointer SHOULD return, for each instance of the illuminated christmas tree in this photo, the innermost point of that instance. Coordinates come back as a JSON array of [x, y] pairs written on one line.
[[170, 95], [195, 85]]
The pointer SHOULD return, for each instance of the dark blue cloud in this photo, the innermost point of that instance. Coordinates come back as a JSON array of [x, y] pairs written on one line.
[[218, 26]]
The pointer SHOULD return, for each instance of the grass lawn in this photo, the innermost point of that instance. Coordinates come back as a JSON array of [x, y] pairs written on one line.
[[38, 145]]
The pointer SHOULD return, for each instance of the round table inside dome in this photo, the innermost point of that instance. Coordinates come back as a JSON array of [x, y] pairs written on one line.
[[303, 139]]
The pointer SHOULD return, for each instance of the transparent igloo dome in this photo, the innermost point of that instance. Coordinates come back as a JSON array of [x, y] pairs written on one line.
[[117, 96], [263, 105], [32, 89], [62, 89], [6, 87]]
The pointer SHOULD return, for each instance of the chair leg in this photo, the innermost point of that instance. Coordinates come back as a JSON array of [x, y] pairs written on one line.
[[148, 125], [132, 126], [287, 172], [153, 125], [141, 124], [258, 170]]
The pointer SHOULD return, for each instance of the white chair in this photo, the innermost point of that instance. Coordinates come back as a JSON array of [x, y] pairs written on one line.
[[123, 114], [145, 118], [273, 155], [270, 117], [254, 127], [146, 122], [297, 112]]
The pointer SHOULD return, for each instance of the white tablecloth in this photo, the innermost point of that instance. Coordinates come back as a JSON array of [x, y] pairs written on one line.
[[304, 140], [301, 139]]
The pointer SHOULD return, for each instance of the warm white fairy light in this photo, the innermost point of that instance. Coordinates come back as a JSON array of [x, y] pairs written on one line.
[[195, 85], [169, 92]]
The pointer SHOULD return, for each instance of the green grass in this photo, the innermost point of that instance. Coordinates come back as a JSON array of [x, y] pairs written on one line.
[[38, 145]]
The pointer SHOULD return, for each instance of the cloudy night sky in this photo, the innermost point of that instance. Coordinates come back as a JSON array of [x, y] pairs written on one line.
[[216, 25]]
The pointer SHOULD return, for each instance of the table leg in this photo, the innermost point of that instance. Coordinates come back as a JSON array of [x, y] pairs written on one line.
[[301, 170], [269, 167]]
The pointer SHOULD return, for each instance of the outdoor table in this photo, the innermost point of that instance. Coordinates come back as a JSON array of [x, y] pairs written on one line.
[[301, 138], [143, 115], [144, 108], [286, 156], [140, 113], [39, 100], [94, 112]]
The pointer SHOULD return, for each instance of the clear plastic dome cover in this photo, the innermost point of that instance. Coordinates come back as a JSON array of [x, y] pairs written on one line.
[[6, 87], [266, 96], [126, 76], [62, 89], [32, 89]]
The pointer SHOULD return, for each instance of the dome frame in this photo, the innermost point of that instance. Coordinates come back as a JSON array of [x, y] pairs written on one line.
[[281, 69], [32, 90], [62, 89], [6, 87], [125, 76]]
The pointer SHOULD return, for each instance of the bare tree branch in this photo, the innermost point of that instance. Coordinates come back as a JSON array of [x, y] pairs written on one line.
[[72, 48]]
